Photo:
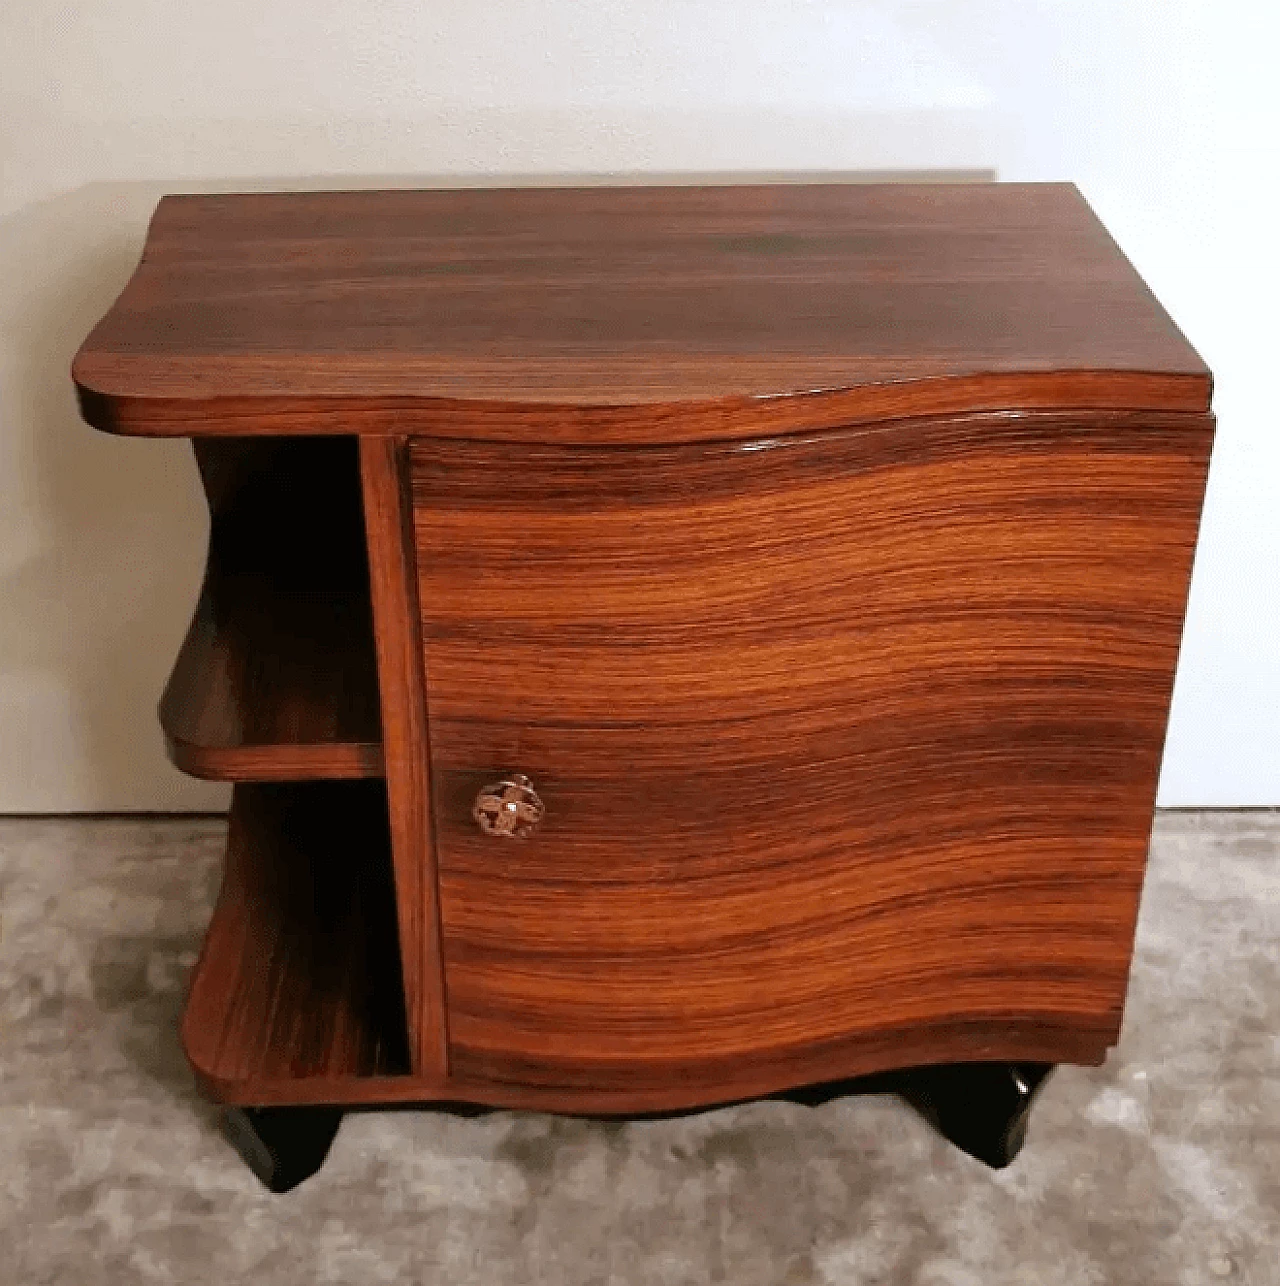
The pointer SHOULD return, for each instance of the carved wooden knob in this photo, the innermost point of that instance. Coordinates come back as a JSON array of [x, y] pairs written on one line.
[[510, 807]]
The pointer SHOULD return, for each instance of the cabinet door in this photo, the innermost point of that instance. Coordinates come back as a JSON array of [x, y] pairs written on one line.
[[847, 743]]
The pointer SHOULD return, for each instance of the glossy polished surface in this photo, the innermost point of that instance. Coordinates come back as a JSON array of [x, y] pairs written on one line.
[[276, 679], [820, 553], [384, 478], [299, 976], [626, 314], [845, 741]]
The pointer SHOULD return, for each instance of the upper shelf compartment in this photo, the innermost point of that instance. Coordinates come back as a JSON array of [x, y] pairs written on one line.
[[277, 677], [627, 315]]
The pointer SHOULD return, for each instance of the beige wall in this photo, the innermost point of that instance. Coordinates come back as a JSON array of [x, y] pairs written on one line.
[[1159, 109]]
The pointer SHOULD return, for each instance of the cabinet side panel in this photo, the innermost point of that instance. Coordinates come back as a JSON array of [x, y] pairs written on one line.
[[851, 737], [394, 591]]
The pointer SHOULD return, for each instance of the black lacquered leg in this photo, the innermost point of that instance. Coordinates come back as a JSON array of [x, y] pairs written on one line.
[[282, 1145], [980, 1107]]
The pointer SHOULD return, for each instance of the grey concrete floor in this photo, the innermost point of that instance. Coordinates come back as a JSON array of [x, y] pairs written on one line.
[[1163, 1166]]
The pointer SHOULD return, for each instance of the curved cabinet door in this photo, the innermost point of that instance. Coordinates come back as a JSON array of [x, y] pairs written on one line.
[[846, 744]]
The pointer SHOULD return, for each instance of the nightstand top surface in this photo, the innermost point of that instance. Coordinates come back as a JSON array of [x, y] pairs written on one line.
[[619, 310]]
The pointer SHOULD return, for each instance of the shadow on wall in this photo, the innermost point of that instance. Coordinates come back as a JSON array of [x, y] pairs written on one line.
[[103, 537]]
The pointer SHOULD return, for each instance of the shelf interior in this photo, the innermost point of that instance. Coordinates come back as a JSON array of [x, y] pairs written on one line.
[[277, 677], [300, 976]]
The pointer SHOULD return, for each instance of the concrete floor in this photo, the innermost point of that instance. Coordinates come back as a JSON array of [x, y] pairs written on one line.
[[1161, 1167]]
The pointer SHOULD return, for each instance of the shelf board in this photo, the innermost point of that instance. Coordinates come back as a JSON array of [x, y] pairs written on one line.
[[274, 682], [277, 677], [299, 981]]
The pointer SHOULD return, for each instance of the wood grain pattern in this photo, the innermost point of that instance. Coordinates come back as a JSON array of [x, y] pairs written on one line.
[[844, 736], [866, 1053], [299, 978], [383, 465], [276, 679], [626, 314], [819, 551]]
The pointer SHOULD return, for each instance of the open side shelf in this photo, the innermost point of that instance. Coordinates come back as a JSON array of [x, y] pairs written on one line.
[[277, 677], [299, 982]]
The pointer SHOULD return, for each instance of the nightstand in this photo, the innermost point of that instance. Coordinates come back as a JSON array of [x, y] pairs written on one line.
[[672, 645]]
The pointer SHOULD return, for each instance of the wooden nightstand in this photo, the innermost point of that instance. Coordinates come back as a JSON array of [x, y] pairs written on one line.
[[673, 645]]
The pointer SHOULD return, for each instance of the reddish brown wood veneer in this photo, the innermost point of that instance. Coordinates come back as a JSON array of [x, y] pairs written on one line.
[[299, 978], [276, 680], [384, 473], [845, 734], [820, 552], [626, 314]]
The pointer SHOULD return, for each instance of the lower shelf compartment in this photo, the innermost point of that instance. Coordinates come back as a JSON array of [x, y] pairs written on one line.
[[299, 981]]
